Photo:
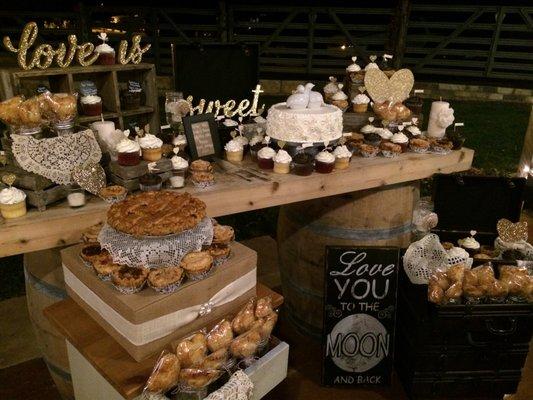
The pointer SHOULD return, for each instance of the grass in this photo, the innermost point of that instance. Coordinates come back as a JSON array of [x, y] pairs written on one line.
[[494, 130]]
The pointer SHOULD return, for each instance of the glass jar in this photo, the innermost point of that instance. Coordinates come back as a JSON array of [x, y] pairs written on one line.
[[150, 182], [34, 131], [64, 127], [172, 100], [177, 180], [75, 196]]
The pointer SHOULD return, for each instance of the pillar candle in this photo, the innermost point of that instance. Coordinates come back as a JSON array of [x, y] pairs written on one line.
[[436, 127]]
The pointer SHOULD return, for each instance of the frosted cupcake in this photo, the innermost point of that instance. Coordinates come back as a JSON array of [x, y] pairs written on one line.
[[265, 158], [368, 128], [413, 131], [342, 157], [106, 54], [128, 152], [360, 103], [282, 162], [470, 244], [324, 162], [331, 88], [384, 133], [243, 140], [91, 105], [354, 71], [179, 171], [234, 151], [400, 139], [151, 147], [256, 143], [340, 100], [12, 203], [180, 141]]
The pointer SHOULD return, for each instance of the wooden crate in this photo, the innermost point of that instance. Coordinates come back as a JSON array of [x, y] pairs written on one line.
[[135, 171], [133, 184], [109, 79]]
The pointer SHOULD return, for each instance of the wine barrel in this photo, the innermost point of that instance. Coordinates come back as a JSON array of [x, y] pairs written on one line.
[[376, 217], [44, 287]]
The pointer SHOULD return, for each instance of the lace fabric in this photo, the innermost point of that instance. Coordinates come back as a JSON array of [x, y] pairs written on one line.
[[424, 257], [239, 387], [55, 158], [155, 251]]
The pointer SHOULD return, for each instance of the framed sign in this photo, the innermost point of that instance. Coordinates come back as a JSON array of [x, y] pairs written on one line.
[[202, 135], [359, 315]]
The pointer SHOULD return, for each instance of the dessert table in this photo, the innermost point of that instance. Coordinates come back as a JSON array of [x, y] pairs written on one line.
[[237, 189]]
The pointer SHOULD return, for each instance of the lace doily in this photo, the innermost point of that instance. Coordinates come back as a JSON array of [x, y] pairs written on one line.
[[239, 387], [424, 257], [157, 251], [522, 246], [54, 158]]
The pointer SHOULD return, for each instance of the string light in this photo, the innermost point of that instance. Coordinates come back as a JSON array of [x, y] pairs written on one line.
[[343, 47]]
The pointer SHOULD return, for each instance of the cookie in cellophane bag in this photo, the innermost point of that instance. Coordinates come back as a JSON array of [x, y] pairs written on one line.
[[220, 336], [164, 377], [519, 282], [194, 382], [445, 285], [244, 318], [192, 350], [476, 283]]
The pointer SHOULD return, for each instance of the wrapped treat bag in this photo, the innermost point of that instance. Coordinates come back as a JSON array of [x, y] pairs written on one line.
[[192, 350], [22, 115], [60, 109], [519, 283], [446, 285], [193, 383], [220, 336], [477, 282], [164, 377]]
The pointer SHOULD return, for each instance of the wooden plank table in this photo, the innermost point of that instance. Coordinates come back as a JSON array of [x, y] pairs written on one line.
[[125, 374], [237, 189]]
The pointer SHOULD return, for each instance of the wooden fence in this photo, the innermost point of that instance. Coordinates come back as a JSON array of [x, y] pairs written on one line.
[[468, 41]]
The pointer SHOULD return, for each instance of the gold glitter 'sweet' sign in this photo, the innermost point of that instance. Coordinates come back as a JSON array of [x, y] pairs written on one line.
[[44, 54]]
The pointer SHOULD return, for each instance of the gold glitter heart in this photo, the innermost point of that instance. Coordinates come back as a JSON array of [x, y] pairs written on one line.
[[281, 144], [90, 177], [396, 89], [510, 232], [9, 179]]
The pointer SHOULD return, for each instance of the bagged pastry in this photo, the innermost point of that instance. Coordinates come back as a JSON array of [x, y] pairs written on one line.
[[195, 378], [476, 283], [246, 345], [57, 107], [220, 336], [518, 281], [263, 307], [445, 286], [265, 326], [216, 360], [165, 374], [244, 318], [9, 111], [192, 350], [29, 113]]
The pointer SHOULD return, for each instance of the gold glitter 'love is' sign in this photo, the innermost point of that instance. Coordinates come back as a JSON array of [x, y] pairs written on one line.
[[44, 54]]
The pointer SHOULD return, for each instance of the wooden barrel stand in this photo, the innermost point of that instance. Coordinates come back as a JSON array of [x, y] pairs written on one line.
[[376, 217], [44, 287]]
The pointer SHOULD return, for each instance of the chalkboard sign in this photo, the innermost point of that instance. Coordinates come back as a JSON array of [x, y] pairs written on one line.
[[202, 135], [359, 315]]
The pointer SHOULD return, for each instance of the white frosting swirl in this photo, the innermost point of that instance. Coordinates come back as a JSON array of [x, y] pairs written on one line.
[[266, 152], [371, 65], [353, 68], [384, 133], [242, 139], [104, 48], [256, 139], [368, 129], [233, 145], [361, 98], [325, 157], [127, 146], [12, 195], [150, 142], [179, 162], [282, 157], [340, 95], [469, 243], [457, 252], [399, 138], [414, 130], [332, 87], [259, 120], [179, 140], [229, 122], [342, 152], [91, 99]]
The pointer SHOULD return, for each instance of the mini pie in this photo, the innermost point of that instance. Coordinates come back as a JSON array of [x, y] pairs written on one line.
[[130, 279], [198, 378], [104, 267], [244, 319], [93, 251], [215, 360], [220, 336], [165, 279], [223, 234], [113, 192], [202, 177], [196, 263], [246, 345], [219, 252], [191, 352], [166, 374], [201, 166], [91, 234], [156, 213]]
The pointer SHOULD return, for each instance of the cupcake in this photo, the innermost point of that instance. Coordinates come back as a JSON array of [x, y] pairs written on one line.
[[104, 267], [129, 152], [330, 89], [303, 164], [368, 128], [91, 252], [413, 131], [106, 54], [91, 105], [389, 149], [150, 182], [197, 264], [384, 134], [368, 150], [223, 234], [12, 203], [202, 173], [151, 147], [220, 253], [373, 139], [360, 103], [180, 141], [166, 280], [324, 162], [400, 139], [419, 145], [234, 151], [282, 162], [179, 171], [441, 146], [256, 144], [265, 158], [470, 244], [129, 280], [113, 194], [355, 74], [229, 123], [243, 140], [386, 66], [340, 100], [342, 157], [372, 64]]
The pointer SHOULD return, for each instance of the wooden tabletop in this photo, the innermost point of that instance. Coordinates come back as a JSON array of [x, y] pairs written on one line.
[[125, 374], [237, 189]]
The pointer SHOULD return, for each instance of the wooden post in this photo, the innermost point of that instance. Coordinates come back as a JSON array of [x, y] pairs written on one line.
[[84, 18], [527, 151], [154, 27], [222, 22], [310, 41], [398, 31]]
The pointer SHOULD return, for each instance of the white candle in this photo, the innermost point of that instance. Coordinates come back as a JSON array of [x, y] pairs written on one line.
[[177, 181], [76, 199], [105, 130], [436, 128]]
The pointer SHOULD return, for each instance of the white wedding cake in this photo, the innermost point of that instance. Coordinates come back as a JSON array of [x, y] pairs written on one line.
[[304, 118]]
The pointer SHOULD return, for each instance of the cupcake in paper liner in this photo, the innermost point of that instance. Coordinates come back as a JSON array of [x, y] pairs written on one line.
[[367, 150], [223, 234], [104, 267], [91, 252], [220, 253], [166, 280], [441, 146], [129, 280], [197, 264]]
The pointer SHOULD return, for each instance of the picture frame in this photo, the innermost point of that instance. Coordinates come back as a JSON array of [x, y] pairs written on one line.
[[202, 136]]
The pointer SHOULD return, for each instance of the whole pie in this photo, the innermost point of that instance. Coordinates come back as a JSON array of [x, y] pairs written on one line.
[[156, 213]]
